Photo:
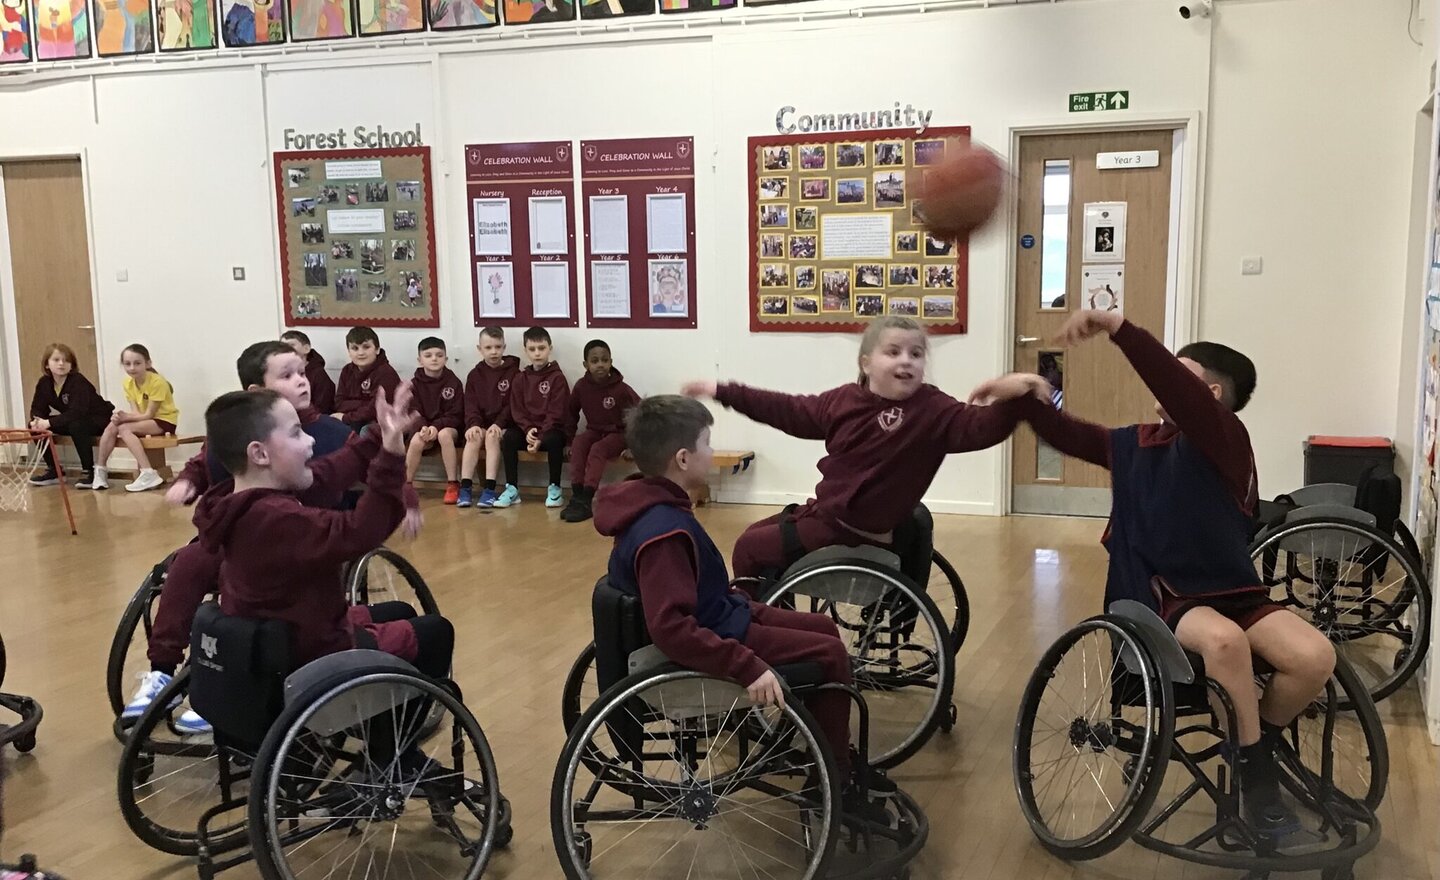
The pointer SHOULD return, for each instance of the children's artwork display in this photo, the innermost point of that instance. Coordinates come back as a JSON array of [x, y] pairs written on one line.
[[538, 11], [836, 233], [696, 5], [459, 15], [639, 196], [14, 31], [522, 244], [320, 20], [615, 8], [252, 22], [122, 27], [62, 29], [185, 24], [357, 237], [377, 17]]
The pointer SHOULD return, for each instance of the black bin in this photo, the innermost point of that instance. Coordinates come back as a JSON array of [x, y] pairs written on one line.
[[1345, 459]]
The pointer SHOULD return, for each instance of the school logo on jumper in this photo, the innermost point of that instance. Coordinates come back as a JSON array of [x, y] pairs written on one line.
[[891, 418], [545, 387], [608, 403], [504, 385], [447, 393], [365, 386], [209, 645], [65, 399]]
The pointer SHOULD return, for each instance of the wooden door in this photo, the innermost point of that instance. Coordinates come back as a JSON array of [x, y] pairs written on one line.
[[1058, 179], [50, 264]]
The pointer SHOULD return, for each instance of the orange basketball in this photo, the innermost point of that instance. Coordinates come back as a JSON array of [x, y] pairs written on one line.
[[959, 194]]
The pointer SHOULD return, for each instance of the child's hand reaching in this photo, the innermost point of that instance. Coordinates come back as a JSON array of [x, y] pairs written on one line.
[[414, 519], [180, 493], [703, 388], [1085, 324], [1011, 387], [766, 690], [394, 418]]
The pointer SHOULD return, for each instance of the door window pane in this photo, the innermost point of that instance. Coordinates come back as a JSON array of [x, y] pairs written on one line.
[[1055, 234]]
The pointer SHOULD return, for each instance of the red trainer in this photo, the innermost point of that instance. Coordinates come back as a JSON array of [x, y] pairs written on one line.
[[452, 493]]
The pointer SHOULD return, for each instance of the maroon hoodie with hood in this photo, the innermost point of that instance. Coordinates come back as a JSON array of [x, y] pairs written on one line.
[[603, 403], [538, 398], [322, 387], [487, 393], [281, 560], [439, 400], [355, 395], [666, 570]]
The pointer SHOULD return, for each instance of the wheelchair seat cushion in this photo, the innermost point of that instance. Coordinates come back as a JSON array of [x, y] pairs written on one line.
[[237, 669]]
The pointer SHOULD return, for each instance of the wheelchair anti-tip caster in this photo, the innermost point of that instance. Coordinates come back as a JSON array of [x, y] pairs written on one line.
[[948, 719]]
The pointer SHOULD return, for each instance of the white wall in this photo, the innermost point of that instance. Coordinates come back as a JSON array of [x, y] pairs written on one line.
[[181, 191]]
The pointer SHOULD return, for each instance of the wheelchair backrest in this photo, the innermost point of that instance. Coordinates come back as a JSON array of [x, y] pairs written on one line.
[[237, 669], [619, 631]]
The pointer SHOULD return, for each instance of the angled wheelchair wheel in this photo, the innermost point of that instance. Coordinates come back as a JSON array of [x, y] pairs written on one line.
[[899, 648], [948, 593], [1359, 586], [168, 780], [127, 660], [581, 690], [1092, 739], [1355, 757], [696, 782], [349, 761], [383, 575]]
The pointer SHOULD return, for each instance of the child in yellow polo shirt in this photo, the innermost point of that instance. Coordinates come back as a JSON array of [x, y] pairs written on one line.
[[152, 400]]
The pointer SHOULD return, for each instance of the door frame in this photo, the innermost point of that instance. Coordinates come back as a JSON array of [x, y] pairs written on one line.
[[14, 401], [1183, 271]]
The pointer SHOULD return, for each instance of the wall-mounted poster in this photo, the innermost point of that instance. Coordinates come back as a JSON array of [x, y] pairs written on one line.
[[457, 15], [639, 200], [14, 31], [252, 22], [696, 5], [378, 17], [522, 244], [185, 24], [538, 11], [836, 239], [320, 20], [615, 8], [62, 29], [357, 237], [1105, 232], [123, 27]]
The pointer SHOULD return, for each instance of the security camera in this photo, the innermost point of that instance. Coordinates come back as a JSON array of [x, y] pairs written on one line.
[[1198, 9]]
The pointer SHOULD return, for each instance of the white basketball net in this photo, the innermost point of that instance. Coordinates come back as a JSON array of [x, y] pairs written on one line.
[[21, 455]]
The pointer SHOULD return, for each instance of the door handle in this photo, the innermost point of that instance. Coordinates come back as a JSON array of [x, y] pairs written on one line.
[[1026, 340], [85, 327]]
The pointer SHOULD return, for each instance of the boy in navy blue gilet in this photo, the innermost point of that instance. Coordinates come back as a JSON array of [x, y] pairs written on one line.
[[1184, 493], [695, 617]]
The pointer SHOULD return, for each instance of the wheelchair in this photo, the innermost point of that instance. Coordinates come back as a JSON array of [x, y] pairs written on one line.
[[347, 747], [26, 869], [1362, 585], [673, 773], [1116, 700], [21, 734], [382, 575]]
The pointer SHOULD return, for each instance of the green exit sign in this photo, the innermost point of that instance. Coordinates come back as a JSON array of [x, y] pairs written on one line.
[[1086, 102]]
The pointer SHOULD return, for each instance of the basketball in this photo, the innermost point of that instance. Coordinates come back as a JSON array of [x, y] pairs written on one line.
[[961, 193]]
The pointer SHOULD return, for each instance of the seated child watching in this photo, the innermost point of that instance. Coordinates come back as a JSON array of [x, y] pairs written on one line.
[[368, 371], [537, 417], [1185, 490], [440, 401], [67, 405], [322, 387], [153, 413], [695, 617], [602, 395], [487, 412]]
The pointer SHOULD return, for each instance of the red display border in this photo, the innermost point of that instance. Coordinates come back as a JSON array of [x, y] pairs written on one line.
[[277, 160], [959, 326]]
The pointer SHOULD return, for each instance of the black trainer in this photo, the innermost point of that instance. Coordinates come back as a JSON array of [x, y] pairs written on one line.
[[579, 509], [1261, 803], [48, 478]]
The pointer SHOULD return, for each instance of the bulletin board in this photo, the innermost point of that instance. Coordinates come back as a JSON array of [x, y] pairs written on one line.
[[522, 240], [357, 237], [639, 232], [836, 237]]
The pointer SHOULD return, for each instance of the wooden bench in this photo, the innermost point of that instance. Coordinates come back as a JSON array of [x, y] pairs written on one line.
[[155, 447]]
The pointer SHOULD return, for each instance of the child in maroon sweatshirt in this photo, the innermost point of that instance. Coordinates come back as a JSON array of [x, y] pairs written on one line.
[[368, 371], [885, 437], [538, 399], [440, 401], [67, 404], [487, 412], [322, 387], [602, 395]]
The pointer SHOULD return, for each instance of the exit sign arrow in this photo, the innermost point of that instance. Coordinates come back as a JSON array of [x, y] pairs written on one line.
[[1088, 102]]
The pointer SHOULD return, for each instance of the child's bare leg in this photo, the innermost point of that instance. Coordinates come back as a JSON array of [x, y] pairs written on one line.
[[130, 434], [469, 458], [1222, 643], [107, 444], [447, 452], [492, 454], [1303, 659], [412, 457]]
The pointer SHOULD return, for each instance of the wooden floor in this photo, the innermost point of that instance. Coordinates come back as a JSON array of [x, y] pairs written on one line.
[[517, 584]]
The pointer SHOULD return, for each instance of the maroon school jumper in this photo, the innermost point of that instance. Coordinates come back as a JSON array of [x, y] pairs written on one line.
[[667, 574], [487, 393], [282, 560], [355, 395], [322, 387], [604, 405], [881, 456], [538, 398], [440, 400]]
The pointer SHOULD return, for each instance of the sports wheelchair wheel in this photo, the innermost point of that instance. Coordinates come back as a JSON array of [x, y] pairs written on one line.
[[1092, 739], [1359, 586], [320, 775], [899, 646], [948, 592], [168, 780], [128, 661], [675, 774], [581, 690], [1359, 756], [382, 575]]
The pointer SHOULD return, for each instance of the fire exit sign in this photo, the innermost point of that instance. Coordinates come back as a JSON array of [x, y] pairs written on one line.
[[1086, 102]]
